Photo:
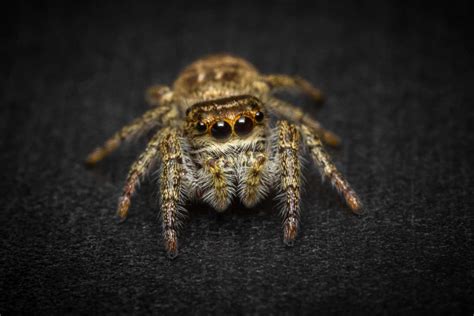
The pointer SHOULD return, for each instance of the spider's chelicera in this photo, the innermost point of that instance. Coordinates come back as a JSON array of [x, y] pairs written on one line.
[[225, 146]]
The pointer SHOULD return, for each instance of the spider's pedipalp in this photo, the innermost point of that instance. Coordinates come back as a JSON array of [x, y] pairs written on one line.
[[256, 178], [328, 170], [216, 180]]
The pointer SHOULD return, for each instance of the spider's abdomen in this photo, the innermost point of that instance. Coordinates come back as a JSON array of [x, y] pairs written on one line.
[[222, 68]]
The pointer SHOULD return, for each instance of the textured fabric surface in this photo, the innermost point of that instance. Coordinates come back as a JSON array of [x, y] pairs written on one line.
[[399, 86]]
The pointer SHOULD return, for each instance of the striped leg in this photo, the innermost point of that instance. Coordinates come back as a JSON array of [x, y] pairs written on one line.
[[279, 82], [288, 166], [149, 120], [171, 188], [296, 115], [158, 94], [138, 169], [328, 169]]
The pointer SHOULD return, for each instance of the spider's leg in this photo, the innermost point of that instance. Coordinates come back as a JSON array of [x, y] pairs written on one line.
[[141, 125], [328, 170], [171, 188], [139, 168], [296, 115], [280, 82], [158, 94], [287, 162]]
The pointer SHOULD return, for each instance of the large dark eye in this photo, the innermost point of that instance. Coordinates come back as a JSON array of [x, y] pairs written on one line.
[[201, 127], [221, 130], [243, 126], [259, 116]]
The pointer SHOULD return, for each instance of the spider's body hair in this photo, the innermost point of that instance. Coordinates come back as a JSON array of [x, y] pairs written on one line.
[[215, 143], [232, 168]]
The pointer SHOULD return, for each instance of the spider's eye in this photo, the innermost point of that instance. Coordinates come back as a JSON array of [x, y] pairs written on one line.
[[201, 127], [243, 126], [259, 116], [221, 130], [254, 105]]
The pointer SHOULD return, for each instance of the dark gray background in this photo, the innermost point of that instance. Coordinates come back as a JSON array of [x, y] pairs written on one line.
[[399, 84]]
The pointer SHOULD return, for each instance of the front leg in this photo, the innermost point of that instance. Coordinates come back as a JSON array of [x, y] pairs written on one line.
[[288, 169], [171, 188]]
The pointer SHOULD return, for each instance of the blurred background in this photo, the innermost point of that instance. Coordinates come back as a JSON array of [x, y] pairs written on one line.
[[398, 81]]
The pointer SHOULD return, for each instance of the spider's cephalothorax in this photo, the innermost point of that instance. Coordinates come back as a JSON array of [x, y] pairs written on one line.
[[215, 142]]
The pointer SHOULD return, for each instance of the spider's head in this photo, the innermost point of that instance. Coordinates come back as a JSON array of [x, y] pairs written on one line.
[[222, 120]]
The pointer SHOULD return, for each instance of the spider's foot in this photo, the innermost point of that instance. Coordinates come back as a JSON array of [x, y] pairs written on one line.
[[172, 253], [353, 202], [122, 211], [289, 232], [94, 157], [101, 152], [316, 95], [171, 244], [331, 138]]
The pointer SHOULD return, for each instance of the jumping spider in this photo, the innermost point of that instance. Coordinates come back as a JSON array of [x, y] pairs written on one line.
[[215, 141]]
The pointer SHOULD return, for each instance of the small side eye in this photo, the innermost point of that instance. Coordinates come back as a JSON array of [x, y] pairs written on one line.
[[201, 127], [254, 105], [259, 116]]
